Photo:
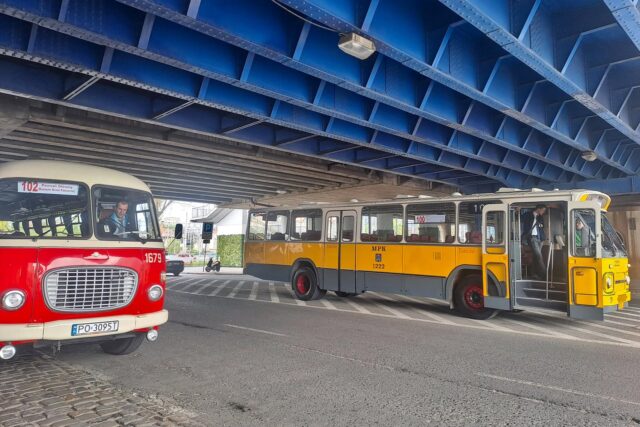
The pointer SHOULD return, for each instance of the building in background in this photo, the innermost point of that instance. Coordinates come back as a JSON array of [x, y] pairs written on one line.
[[228, 234]]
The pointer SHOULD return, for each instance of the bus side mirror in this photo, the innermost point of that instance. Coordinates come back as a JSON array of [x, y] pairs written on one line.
[[177, 233]]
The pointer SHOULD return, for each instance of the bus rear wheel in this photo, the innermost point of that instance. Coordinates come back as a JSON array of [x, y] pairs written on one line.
[[305, 285], [122, 346], [468, 299]]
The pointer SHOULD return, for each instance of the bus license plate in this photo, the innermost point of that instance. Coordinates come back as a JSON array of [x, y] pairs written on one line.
[[93, 328]]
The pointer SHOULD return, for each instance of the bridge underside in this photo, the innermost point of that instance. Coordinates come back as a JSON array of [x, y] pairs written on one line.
[[182, 165], [471, 94]]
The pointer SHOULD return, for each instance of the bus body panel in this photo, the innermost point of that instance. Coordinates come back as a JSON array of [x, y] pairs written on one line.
[[136, 259], [19, 272]]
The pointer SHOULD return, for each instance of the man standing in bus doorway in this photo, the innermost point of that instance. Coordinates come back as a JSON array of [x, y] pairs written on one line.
[[533, 235]]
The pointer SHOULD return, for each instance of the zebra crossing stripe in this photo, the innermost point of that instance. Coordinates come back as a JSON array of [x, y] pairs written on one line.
[[273, 293], [254, 291], [235, 290]]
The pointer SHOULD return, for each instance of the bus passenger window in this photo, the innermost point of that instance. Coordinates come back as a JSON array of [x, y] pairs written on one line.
[[431, 223], [332, 229], [470, 221], [306, 225], [257, 225], [348, 228], [277, 223], [382, 223], [494, 233]]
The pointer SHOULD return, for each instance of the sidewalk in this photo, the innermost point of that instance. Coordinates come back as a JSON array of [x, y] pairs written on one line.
[[223, 270]]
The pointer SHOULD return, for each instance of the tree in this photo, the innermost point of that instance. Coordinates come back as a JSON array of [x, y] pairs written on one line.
[[162, 205]]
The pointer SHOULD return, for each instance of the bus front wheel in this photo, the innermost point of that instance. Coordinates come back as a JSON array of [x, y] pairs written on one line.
[[305, 285], [122, 346], [468, 299]]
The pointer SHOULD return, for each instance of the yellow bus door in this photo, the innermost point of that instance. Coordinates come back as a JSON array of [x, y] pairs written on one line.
[[586, 287], [340, 252], [495, 256]]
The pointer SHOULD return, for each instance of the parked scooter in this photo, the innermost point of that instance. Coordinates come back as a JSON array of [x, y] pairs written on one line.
[[212, 265]]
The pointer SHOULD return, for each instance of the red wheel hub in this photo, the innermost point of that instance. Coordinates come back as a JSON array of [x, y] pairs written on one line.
[[302, 284], [473, 297]]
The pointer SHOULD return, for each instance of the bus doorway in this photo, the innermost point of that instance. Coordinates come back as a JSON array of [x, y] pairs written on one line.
[[340, 252], [539, 255]]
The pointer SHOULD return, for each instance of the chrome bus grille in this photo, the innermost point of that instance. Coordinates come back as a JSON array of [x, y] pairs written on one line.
[[89, 289]]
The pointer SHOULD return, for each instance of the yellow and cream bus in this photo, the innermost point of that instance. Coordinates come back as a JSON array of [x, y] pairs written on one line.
[[466, 250]]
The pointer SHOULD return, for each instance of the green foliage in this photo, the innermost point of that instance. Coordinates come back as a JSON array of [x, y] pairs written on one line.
[[230, 250], [174, 247]]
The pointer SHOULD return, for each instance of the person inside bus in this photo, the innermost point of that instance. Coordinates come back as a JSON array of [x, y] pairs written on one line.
[[582, 235], [533, 235], [116, 224]]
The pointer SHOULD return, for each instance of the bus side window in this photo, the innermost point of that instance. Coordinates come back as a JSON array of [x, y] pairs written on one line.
[[431, 223], [306, 225], [257, 225]]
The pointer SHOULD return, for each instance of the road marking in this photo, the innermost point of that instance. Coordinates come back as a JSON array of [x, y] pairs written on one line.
[[206, 287], [397, 313], [427, 312], [235, 290], [327, 304], [620, 330], [217, 290], [193, 285], [556, 388], [357, 306], [521, 322], [629, 325], [598, 334], [254, 291], [622, 314], [261, 331], [293, 295], [634, 309], [273, 293]]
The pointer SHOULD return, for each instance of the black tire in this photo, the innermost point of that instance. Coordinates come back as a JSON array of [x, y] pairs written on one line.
[[218, 268], [176, 274], [207, 269], [122, 346], [469, 301], [345, 294], [305, 285]]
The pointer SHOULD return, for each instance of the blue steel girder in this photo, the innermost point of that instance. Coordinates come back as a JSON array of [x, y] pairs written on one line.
[[442, 47], [453, 141], [128, 68], [627, 13], [566, 51], [113, 95], [440, 105]]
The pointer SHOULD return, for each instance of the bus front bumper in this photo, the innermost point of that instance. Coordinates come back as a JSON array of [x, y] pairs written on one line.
[[61, 329]]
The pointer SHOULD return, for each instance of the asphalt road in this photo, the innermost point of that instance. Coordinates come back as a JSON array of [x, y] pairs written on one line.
[[242, 352]]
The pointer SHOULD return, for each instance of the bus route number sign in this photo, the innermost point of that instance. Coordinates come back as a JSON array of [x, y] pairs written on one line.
[[40, 187]]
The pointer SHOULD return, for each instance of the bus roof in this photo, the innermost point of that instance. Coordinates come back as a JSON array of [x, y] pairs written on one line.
[[512, 195], [69, 171]]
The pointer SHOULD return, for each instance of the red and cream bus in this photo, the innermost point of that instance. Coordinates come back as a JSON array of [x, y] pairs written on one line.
[[82, 258]]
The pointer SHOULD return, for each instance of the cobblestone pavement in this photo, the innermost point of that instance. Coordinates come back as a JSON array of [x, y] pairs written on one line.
[[38, 390]]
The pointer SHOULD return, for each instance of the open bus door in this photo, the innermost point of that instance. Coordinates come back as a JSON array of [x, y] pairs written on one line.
[[495, 256], [585, 282]]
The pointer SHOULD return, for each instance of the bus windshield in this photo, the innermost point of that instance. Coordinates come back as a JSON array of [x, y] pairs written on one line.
[[612, 244], [124, 214], [32, 209]]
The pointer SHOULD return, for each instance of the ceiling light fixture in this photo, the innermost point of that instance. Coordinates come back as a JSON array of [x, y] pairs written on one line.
[[356, 45], [589, 155]]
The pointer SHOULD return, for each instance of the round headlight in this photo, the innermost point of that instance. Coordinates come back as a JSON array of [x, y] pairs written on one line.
[[608, 283], [13, 300], [155, 293], [628, 279]]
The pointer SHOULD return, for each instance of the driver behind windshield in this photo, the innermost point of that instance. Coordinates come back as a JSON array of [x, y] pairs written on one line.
[[582, 238], [116, 224]]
